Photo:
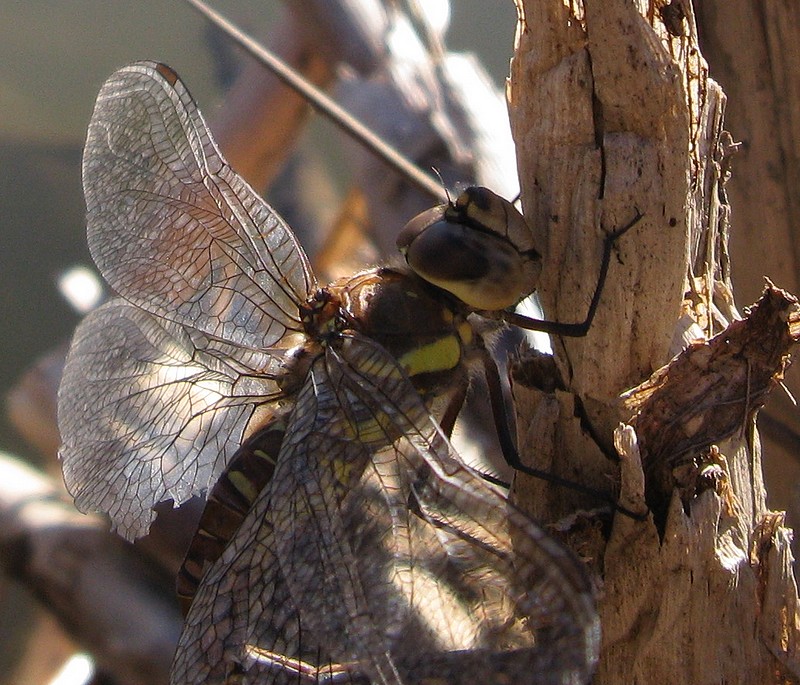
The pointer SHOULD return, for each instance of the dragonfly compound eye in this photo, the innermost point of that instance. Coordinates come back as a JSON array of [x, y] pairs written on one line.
[[469, 249]]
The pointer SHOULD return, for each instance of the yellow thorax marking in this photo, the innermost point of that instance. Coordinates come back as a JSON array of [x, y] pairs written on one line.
[[440, 355]]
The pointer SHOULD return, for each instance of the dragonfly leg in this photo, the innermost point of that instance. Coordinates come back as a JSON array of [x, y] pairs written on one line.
[[454, 406], [571, 330], [509, 448]]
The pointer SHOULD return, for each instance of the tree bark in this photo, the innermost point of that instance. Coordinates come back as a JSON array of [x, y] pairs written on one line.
[[613, 114], [753, 50]]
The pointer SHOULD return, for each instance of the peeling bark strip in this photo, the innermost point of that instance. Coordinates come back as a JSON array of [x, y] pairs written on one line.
[[711, 390]]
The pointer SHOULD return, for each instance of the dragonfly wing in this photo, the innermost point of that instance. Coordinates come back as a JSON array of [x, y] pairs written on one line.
[[394, 561], [158, 391], [173, 229], [145, 415], [253, 612], [243, 621], [435, 550]]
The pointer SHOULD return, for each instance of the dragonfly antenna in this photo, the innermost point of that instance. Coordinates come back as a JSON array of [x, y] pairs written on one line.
[[324, 104]]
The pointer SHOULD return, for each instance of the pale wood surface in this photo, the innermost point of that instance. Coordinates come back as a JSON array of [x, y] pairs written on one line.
[[612, 113]]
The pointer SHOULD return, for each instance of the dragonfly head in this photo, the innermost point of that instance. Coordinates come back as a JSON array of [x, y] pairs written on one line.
[[467, 248]]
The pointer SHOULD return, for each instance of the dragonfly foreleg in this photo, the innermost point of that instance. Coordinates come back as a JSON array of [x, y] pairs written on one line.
[[571, 330]]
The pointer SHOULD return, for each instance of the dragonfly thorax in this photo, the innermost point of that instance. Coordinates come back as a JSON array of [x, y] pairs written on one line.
[[424, 329]]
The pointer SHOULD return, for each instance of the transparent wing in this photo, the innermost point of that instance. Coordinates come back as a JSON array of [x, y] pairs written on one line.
[[146, 413], [375, 556], [158, 391], [173, 229]]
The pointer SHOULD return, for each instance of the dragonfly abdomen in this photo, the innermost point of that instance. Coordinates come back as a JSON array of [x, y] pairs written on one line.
[[250, 469]]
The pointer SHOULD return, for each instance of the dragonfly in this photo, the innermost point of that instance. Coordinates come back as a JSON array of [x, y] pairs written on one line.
[[366, 551]]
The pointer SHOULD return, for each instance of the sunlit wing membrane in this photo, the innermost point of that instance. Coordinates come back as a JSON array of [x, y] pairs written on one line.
[[375, 555], [145, 415], [173, 229]]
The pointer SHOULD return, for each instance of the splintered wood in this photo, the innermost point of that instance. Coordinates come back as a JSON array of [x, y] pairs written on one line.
[[711, 391]]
